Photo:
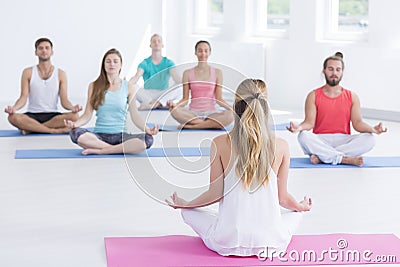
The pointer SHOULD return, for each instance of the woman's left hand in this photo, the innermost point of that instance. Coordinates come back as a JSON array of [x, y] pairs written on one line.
[[152, 131], [177, 202]]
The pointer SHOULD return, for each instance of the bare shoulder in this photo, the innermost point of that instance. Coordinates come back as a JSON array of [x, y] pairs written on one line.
[[222, 150], [61, 72], [221, 140], [282, 146], [27, 72], [354, 96], [62, 75], [311, 94], [218, 71], [185, 75], [222, 144]]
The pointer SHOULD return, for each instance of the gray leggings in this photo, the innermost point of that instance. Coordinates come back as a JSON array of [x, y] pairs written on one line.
[[112, 139]]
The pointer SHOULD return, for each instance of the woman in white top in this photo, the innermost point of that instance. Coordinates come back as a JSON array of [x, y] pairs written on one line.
[[248, 177]]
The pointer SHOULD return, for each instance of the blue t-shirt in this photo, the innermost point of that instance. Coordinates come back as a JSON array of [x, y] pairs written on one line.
[[111, 115], [156, 76]]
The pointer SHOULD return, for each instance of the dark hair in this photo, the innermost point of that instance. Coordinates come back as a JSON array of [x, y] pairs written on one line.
[[101, 84], [199, 42], [41, 40], [338, 56]]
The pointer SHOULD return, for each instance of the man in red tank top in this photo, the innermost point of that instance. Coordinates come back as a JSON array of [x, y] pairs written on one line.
[[329, 111]]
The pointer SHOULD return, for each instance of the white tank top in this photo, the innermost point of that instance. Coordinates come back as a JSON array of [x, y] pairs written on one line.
[[43, 94], [248, 221]]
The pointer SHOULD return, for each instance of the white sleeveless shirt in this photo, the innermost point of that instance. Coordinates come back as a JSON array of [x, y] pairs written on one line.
[[248, 221], [43, 94]]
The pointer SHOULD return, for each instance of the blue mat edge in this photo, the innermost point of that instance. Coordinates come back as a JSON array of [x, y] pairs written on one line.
[[295, 163], [76, 153], [17, 133], [174, 128], [369, 162]]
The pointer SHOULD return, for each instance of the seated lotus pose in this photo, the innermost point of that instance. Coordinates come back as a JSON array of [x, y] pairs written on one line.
[[156, 71], [43, 85], [111, 97], [248, 177], [329, 111], [205, 86]]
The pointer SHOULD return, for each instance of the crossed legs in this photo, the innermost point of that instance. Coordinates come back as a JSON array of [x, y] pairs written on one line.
[[93, 145], [336, 148], [189, 120], [55, 125]]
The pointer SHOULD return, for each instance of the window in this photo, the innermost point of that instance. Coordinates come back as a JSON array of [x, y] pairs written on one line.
[[278, 14], [347, 20], [353, 15], [271, 17], [209, 15]]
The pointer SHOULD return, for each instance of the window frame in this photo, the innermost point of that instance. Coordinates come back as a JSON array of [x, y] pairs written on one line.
[[257, 18], [200, 14], [331, 25]]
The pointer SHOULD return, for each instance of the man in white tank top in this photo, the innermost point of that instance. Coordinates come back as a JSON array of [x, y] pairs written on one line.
[[42, 84]]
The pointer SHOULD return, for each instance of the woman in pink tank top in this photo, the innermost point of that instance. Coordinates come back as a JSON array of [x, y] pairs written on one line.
[[204, 85]]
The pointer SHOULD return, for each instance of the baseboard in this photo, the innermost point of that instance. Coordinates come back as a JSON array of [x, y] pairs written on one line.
[[379, 114]]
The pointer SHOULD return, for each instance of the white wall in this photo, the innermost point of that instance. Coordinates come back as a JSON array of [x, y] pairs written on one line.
[[81, 31], [293, 66]]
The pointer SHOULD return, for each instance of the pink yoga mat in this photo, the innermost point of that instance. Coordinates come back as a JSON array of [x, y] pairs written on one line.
[[330, 249]]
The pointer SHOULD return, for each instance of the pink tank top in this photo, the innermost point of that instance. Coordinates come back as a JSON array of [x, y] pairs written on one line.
[[202, 92], [333, 114]]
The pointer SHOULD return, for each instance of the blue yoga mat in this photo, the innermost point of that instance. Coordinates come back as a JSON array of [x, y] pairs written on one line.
[[174, 128], [155, 109], [17, 133], [281, 126], [76, 153], [369, 162]]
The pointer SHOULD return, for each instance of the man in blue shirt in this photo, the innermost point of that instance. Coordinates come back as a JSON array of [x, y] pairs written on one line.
[[156, 71]]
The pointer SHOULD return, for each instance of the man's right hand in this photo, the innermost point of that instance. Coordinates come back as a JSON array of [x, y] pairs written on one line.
[[69, 124], [293, 128], [76, 108], [10, 110], [171, 104]]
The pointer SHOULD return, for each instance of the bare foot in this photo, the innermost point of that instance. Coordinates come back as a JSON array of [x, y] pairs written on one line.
[[314, 159], [90, 151], [357, 161], [24, 132]]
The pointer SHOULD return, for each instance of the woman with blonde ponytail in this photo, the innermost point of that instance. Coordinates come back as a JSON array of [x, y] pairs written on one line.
[[248, 177]]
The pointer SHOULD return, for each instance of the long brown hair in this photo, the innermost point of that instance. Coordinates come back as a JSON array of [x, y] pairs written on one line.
[[101, 84], [253, 141]]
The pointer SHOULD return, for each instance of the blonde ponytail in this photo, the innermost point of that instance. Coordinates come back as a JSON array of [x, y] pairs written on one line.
[[252, 140]]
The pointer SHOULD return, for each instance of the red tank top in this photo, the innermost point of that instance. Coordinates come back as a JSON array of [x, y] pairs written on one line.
[[333, 114]]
